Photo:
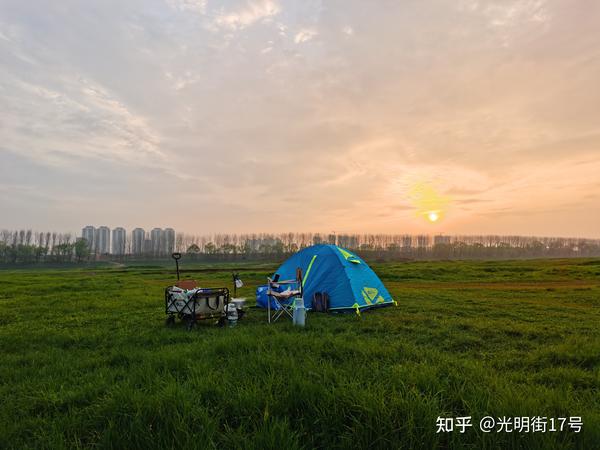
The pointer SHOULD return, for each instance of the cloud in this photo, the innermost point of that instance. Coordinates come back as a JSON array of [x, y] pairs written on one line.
[[304, 35], [181, 81], [198, 6], [81, 110], [219, 106], [250, 12], [348, 30], [516, 12], [505, 18]]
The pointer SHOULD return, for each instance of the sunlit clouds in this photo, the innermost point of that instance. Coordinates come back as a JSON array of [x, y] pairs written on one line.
[[272, 115]]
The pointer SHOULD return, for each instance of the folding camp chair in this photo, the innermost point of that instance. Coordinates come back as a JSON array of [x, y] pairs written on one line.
[[284, 299]]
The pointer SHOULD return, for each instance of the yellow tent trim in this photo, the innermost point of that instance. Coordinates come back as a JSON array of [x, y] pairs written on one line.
[[371, 292], [308, 270], [349, 256]]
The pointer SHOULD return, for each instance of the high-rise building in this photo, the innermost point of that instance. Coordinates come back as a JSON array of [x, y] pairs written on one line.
[[119, 236], [422, 241], [147, 247], [157, 238], [137, 241], [103, 240], [89, 234], [169, 240], [441, 239], [100, 240]]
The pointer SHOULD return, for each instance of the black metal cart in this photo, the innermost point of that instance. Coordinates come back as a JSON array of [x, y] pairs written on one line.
[[191, 303], [200, 304]]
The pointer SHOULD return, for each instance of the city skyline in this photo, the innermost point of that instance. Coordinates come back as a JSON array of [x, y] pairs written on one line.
[[77, 232], [466, 117], [118, 241], [28, 246]]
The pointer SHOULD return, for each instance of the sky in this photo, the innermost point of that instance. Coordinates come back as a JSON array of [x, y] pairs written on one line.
[[415, 116]]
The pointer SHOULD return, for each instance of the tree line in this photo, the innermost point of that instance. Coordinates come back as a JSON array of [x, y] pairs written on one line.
[[31, 247], [26, 246]]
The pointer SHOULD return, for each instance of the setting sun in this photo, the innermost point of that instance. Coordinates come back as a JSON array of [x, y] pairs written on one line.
[[428, 202]]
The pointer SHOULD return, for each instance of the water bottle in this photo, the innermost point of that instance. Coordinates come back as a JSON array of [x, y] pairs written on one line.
[[299, 317]]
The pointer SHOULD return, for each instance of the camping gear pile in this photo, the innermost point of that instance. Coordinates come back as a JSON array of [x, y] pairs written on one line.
[[196, 304], [321, 278], [192, 303]]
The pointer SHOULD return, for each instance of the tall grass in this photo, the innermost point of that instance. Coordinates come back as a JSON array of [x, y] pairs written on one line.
[[87, 362]]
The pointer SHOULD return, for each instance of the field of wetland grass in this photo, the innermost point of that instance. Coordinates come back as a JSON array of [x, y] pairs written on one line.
[[87, 361]]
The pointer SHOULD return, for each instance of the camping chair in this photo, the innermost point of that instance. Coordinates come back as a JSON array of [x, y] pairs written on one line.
[[284, 299]]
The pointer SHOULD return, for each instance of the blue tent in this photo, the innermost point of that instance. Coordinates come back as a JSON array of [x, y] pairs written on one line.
[[350, 283]]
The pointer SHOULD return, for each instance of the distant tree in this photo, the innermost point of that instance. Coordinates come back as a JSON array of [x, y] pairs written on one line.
[[63, 251], [40, 252], [82, 249], [228, 249], [53, 242], [277, 247], [179, 242], [193, 249]]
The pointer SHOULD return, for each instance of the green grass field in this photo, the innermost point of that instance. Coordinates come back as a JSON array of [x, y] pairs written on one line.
[[87, 361]]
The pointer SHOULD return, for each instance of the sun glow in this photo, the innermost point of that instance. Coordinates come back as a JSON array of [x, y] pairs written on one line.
[[429, 204], [433, 216]]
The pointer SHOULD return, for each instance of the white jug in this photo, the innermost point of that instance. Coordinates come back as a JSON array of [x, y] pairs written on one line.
[[232, 314], [299, 317]]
